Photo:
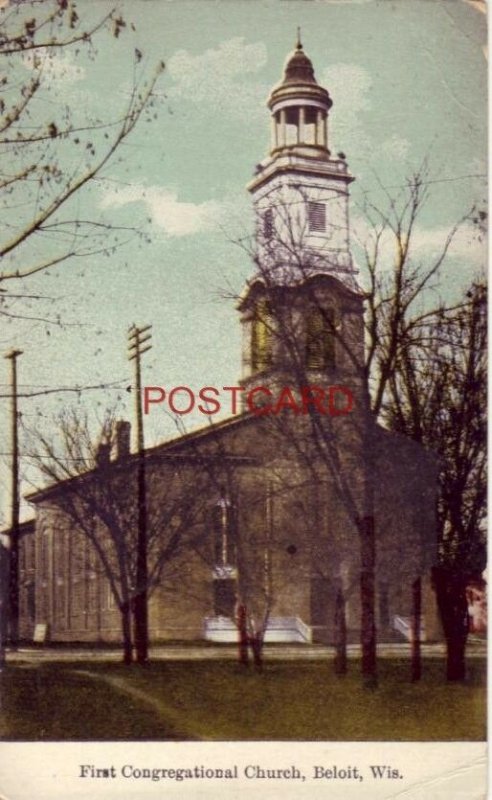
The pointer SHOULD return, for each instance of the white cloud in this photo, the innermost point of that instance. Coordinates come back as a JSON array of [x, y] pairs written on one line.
[[173, 216], [466, 245], [349, 86], [221, 77], [395, 148], [59, 69]]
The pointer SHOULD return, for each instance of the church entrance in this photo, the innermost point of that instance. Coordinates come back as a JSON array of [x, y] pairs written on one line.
[[224, 597]]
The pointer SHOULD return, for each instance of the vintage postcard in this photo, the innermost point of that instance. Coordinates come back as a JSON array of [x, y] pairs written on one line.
[[243, 313]]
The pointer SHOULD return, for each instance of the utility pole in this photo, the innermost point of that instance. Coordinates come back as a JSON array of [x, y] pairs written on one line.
[[13, 600], [138, 338]]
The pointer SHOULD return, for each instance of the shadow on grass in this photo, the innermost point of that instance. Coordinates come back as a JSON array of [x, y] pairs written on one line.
[[219, 700], [54, 703]]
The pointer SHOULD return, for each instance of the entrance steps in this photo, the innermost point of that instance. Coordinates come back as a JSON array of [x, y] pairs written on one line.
[[279, 629]]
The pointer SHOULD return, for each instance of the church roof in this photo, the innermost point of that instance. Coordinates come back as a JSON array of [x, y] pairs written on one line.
[[168, 449]]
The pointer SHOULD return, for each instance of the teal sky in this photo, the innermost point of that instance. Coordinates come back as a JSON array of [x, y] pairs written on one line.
[[407, 79]]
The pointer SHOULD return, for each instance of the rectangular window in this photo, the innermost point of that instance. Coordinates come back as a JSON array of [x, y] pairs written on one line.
[[261, 337], [29, 545], [60, 598], [268, 223], [110, 598], [22, 554], [44, 544], [317, 216]]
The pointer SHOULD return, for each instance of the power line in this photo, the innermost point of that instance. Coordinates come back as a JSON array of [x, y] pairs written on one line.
[[73, 389], [47, 457], [426, 183]]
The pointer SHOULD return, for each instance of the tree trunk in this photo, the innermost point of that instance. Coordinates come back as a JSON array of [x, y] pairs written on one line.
[[126, 628], [340, 635], [455, 662], [256, 642], [416, 632], [451, 599], [243, 636], [367, 595]]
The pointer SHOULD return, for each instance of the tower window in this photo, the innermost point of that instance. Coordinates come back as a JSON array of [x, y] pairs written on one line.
[[320, 339], [261, 340], [292, 125], [317, 216], [310, 121], [268, 223]]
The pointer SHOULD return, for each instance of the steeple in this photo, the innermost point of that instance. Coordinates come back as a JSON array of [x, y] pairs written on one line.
[[304, 280], [300, 186]]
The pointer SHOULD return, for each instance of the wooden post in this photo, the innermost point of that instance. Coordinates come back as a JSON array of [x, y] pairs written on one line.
[[138, 337]]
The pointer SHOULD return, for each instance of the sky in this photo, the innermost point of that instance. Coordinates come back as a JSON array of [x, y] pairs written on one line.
[[408, 82]]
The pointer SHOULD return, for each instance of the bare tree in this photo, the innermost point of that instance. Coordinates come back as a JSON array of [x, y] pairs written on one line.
[[93, 498], [51, 151], [261, 575], [295, 303], [427, 370], [253, 561], [239, 551], [398, 276], [438, 397], [293, 291]]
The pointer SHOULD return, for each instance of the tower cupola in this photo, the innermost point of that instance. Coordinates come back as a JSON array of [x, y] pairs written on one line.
[[300, 191], [299, 107]]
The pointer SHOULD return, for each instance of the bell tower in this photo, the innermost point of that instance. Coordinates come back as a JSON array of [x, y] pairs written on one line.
[[301, 310]]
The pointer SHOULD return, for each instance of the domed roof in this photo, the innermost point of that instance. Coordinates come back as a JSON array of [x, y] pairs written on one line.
[[298, 82], [298, 68]]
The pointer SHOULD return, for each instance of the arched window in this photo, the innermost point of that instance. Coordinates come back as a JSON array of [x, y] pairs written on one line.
[[320, 339], [261, 339]]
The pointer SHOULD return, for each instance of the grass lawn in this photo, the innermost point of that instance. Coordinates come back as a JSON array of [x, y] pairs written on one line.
[[217, 700]]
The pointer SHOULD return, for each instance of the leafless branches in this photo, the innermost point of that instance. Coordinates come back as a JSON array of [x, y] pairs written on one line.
[[91, 496], [52, 151]]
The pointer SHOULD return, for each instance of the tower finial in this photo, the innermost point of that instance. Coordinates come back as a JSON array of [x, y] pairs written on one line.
[[299, 43]]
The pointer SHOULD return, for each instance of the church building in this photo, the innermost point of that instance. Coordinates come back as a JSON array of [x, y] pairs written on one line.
[[262, 511]]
